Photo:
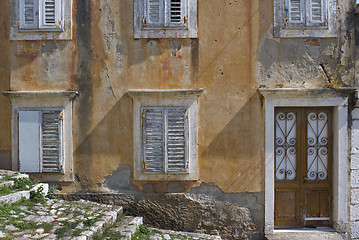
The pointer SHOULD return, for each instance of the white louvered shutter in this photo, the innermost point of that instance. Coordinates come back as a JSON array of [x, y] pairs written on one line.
[[153, 139], [154, 13], [295, 12], [50, 14], [176, 140], [316, 12], [175, 12], [51, 140], [28, 14]]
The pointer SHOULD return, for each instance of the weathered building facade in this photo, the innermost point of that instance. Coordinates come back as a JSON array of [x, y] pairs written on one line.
[[231, 117]]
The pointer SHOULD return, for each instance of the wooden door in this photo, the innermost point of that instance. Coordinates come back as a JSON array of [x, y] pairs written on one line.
[[303, 161]]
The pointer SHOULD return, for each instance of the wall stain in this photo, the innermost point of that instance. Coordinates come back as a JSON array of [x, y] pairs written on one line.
[[84, 102]]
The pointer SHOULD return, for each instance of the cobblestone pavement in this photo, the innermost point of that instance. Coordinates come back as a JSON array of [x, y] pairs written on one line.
[[55, 219]]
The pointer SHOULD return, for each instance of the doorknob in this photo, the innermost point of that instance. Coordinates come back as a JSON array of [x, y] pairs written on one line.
[[305, 179]]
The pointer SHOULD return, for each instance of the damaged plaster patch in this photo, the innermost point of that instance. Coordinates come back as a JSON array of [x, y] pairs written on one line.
[[175, 45], [119, 180]]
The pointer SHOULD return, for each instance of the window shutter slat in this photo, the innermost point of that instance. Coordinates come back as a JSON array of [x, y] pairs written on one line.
[[316, 12], [295, 12], [176, 140], [51, 127], [154, 13], [176, 12], [51, 13], [153, 139], [28, 14]]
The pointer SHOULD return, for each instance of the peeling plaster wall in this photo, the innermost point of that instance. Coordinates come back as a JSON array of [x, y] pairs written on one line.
[[234, 54]]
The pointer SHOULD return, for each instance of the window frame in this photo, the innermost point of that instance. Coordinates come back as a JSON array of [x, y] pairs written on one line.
[[33, 100], [284, 30], [61, 139], [40, 30], [187, 29], [187, 99]]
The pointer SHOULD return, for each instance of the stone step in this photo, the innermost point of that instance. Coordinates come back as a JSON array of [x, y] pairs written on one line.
[[128, 226], [305, 234]]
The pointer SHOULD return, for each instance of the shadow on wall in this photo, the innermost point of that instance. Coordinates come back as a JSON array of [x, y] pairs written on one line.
[[107, 146], [237, 151]]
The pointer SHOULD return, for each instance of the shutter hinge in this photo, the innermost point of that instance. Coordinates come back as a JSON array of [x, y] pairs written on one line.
[[144, 166], [144, 114], [144, 22], [61, 116], [186, 112], [185, 19]]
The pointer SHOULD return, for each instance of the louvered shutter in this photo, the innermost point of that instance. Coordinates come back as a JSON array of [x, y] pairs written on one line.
[[176, 140], [153, 139], [295, 12], [154, 13], [51, 131], [175, 12], [50, 14], [316, 10], [28, 14]]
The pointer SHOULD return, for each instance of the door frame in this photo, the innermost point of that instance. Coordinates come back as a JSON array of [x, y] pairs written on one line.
[[338, 100]]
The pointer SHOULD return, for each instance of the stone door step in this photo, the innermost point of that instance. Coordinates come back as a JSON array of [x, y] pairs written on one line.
[[322, 233]]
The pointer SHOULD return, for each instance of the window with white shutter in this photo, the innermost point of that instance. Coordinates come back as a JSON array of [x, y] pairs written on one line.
[[304, 18], [165, 134], [164, 139], [40, 14], [40, 19], [165, 18], [40, 141]]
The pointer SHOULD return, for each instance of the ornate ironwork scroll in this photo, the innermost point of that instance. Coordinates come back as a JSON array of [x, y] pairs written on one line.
[[285, 145], [317, 146]]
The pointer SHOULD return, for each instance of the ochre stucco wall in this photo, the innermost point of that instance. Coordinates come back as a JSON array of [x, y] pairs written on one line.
[[234, 54]]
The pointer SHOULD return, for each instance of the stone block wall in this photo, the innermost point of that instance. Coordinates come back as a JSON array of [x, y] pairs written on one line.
[[354, 176]]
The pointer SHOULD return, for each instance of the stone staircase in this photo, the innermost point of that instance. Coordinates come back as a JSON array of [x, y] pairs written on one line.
[[60, 219]]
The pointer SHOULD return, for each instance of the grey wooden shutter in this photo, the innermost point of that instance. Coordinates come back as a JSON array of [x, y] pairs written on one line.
[[51, 13], [176, 140], [295, 12], [316, 10], [153, 139], [51, 141], [28, 14], [29, 141], [154, 13]]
